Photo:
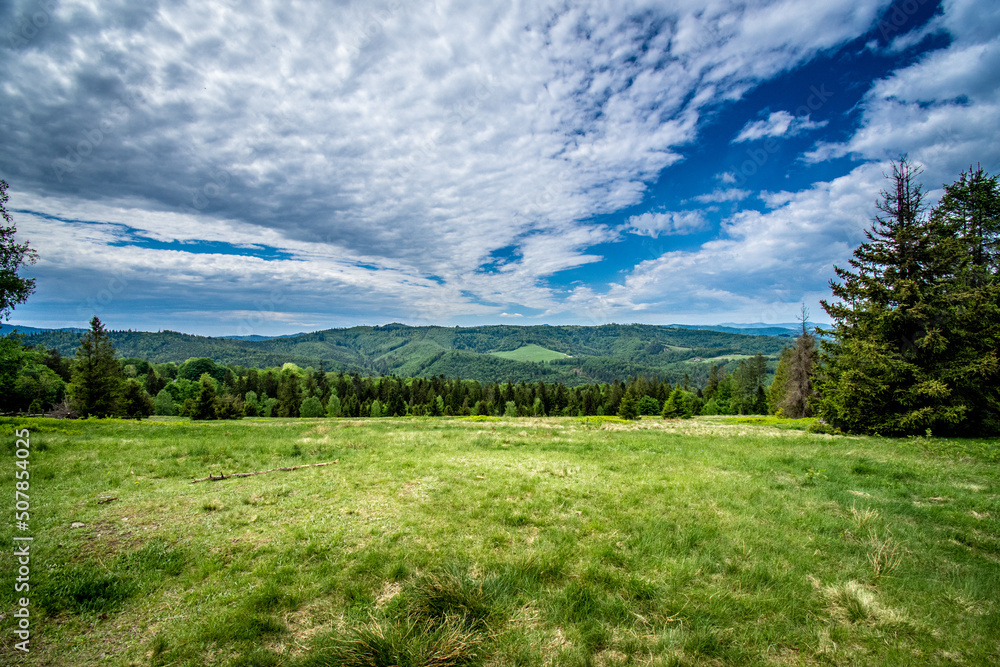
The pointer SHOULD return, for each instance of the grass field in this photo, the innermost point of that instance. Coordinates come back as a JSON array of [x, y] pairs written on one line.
[[552, 541], [531, 352]]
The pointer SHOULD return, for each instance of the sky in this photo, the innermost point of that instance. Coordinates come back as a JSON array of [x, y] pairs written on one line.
[[229, 167]]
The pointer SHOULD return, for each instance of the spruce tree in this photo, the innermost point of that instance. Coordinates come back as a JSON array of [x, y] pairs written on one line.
[[97, 380], [881, 372], [136, 403], [970, 210], [798, 391], [628, 408], [676, 406], [748, 386], [290, 394], [204, 406]]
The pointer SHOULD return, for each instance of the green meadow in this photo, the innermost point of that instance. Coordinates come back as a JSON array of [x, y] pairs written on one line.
[[486, 541], [531, 353]]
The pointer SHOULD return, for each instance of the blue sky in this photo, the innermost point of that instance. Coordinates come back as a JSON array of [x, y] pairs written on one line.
[[264, 168]]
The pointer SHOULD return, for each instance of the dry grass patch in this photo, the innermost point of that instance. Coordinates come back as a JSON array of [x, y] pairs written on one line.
[[855, 603]]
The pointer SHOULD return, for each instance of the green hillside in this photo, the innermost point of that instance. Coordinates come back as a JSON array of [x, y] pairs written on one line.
[[573, 355]]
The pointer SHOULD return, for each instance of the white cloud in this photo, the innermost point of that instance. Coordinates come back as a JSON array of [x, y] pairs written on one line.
[[778, 124], [941, 110], [723, 195], [665, 223], [763, 265], [417, 138]]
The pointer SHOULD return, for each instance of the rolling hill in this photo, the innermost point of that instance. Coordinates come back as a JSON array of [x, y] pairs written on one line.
[[570, 354]]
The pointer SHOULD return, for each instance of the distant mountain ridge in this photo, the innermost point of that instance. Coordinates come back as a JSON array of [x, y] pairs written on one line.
[[11, 328], [579, 354], [756, 328]]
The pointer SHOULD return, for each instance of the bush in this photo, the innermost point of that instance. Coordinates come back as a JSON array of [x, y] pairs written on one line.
[[822, 427], [649, 406], [311, 407]]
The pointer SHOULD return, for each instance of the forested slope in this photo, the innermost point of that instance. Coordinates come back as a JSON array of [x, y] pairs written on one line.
[[598, 353]]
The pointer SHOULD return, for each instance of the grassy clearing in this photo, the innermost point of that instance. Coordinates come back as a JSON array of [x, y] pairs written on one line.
[[531, 352], [513, 542]]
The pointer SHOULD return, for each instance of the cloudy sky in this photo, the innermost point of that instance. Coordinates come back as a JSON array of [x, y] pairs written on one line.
[[238, 167]]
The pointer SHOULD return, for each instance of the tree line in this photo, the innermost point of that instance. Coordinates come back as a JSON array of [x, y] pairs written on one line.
[[96, 383]]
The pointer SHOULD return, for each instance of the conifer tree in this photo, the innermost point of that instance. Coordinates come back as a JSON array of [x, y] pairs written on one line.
[[882, 372], [136, 403], [290, 394], [713, 383], [677, 405], [204, 405], [798, 391], [628, 408], [748, 386], [97, 379], [969, 364]]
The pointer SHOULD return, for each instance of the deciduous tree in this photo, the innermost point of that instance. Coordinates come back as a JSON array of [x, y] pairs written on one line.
[[13, 255]]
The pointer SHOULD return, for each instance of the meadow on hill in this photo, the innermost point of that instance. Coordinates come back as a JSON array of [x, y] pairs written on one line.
[[515, 541]]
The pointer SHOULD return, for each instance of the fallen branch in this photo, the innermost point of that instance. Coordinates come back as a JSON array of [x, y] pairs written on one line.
[[101, 501], [215, 478]]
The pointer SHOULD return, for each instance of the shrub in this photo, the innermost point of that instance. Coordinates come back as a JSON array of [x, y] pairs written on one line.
[[649, 406], [311, 407]]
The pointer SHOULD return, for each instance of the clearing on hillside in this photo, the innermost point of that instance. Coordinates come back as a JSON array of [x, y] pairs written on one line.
[[531, 352]]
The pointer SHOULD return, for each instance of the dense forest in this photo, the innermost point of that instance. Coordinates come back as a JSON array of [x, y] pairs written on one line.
[[598, 354], [97, 382]]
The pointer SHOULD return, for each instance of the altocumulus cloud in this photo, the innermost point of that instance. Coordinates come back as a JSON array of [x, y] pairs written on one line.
[[268, 166]]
